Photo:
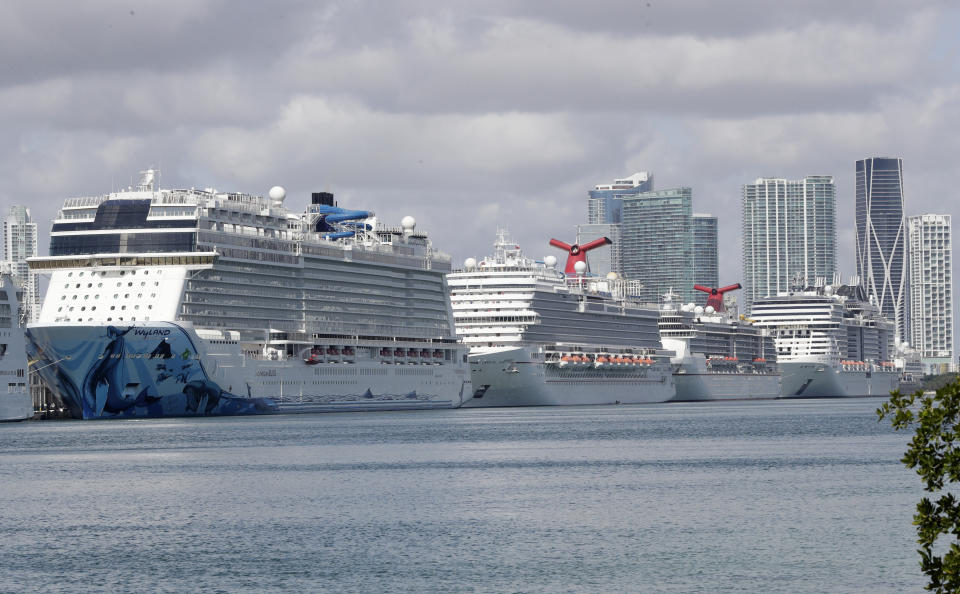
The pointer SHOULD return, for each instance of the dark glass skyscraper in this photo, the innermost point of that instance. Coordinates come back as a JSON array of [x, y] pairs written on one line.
[[882, 237]]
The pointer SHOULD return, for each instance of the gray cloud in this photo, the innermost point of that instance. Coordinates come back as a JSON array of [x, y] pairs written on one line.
[[476, 115]]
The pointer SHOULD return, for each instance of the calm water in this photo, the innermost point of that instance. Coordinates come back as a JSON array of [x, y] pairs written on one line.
[[804, 496]]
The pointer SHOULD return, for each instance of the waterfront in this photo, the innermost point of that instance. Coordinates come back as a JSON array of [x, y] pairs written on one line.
[[773, 496]]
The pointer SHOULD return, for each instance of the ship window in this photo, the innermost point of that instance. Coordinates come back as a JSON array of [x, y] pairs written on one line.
[[99, 285], [149, 307], [129, 284], [126, 295], [115, 295], [156, 283], [97, 296], [112, 307], [93, 308], [123, 307], [78, 286], [74, 296], [81, 274], [136, 307], [89, 285], [60, 308], [109, 319], [122, 272], [63, 297], [83, 308]]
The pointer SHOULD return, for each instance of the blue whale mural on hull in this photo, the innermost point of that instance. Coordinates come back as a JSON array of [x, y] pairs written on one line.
[[134, 371]]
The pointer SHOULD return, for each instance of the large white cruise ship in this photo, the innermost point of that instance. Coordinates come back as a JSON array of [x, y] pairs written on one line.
[[15, 401], [831, 342], [718, 356], [192, 302], [538, 336]]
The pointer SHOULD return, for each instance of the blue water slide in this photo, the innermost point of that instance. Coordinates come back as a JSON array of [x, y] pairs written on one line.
[[343, 217]]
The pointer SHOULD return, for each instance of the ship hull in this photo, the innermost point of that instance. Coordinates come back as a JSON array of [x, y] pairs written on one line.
[[820, 380], [693, 387], [163, 369], [16, 407], [513, 377]]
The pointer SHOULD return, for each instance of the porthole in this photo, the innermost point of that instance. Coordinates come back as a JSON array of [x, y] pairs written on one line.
[[113, 307]]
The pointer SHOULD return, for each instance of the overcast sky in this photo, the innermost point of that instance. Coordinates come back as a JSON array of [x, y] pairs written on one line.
[[470, 115]]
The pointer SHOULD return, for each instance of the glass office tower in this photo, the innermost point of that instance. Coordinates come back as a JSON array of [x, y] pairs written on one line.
[[882, 237]]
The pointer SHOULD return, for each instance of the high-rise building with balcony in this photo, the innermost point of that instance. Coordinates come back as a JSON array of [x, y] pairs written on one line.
[[931, 290], [882, 236], [789, 234], [657, 242], [705, 250], [604, 202], [20, 243]]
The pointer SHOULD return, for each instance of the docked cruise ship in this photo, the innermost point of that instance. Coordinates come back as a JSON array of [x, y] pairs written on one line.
[[15, 401], [538, 336], [718, 356], [199, 302], [831, 342]]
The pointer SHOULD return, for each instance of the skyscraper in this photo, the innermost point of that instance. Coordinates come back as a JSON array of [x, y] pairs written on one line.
[[657, 242], [20, 243], [605, 259], [604, 201], [789, 230], [881, 237], [931, 290], [705, 250]]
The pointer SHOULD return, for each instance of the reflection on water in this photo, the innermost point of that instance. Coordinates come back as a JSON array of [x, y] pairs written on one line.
[[743, 496]]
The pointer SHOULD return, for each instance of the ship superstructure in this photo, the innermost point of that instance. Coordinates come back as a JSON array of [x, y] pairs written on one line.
[[171, 302], [831, 341], [538, 336], [718, 356], [16, 403]]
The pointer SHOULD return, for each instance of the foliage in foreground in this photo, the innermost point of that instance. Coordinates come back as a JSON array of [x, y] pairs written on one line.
[[934, 452]]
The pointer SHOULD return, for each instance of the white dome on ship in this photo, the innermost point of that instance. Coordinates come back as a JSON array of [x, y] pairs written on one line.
[[580, 266], [470, 263], [550, 261], [708, 309], [698, 310], [611, 275], [408, 223], [277, 193]]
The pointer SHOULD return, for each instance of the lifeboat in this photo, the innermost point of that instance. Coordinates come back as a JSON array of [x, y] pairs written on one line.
[[412, 353], [425, 353], [348, 351], [759, 360], [437, 353], [333, 351], [398, 353], [649, 361], [384, 352], [601, 361], [314, 356]]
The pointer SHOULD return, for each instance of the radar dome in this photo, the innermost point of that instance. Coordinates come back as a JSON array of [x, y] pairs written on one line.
[[470, 263], [611, 275], [709, 309], [408, 222], [698, 310], [277, 193], [550, 261], [580, 267], [828, 290]]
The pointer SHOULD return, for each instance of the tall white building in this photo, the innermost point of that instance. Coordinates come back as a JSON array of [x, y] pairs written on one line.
[[20, 243], [931, 290], [789, 231]]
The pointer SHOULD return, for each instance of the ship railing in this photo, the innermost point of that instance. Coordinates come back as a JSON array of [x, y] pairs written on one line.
[[84, 201]]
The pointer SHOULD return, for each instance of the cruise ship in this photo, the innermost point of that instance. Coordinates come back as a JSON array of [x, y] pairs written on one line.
[[538, 336], [15, 402], [718, 356], [831, 342], [173, 302]]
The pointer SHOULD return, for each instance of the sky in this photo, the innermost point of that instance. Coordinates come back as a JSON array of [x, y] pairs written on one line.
[[474, 115]]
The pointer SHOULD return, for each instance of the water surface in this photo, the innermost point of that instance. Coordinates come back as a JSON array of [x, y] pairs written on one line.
[[777, 496]]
